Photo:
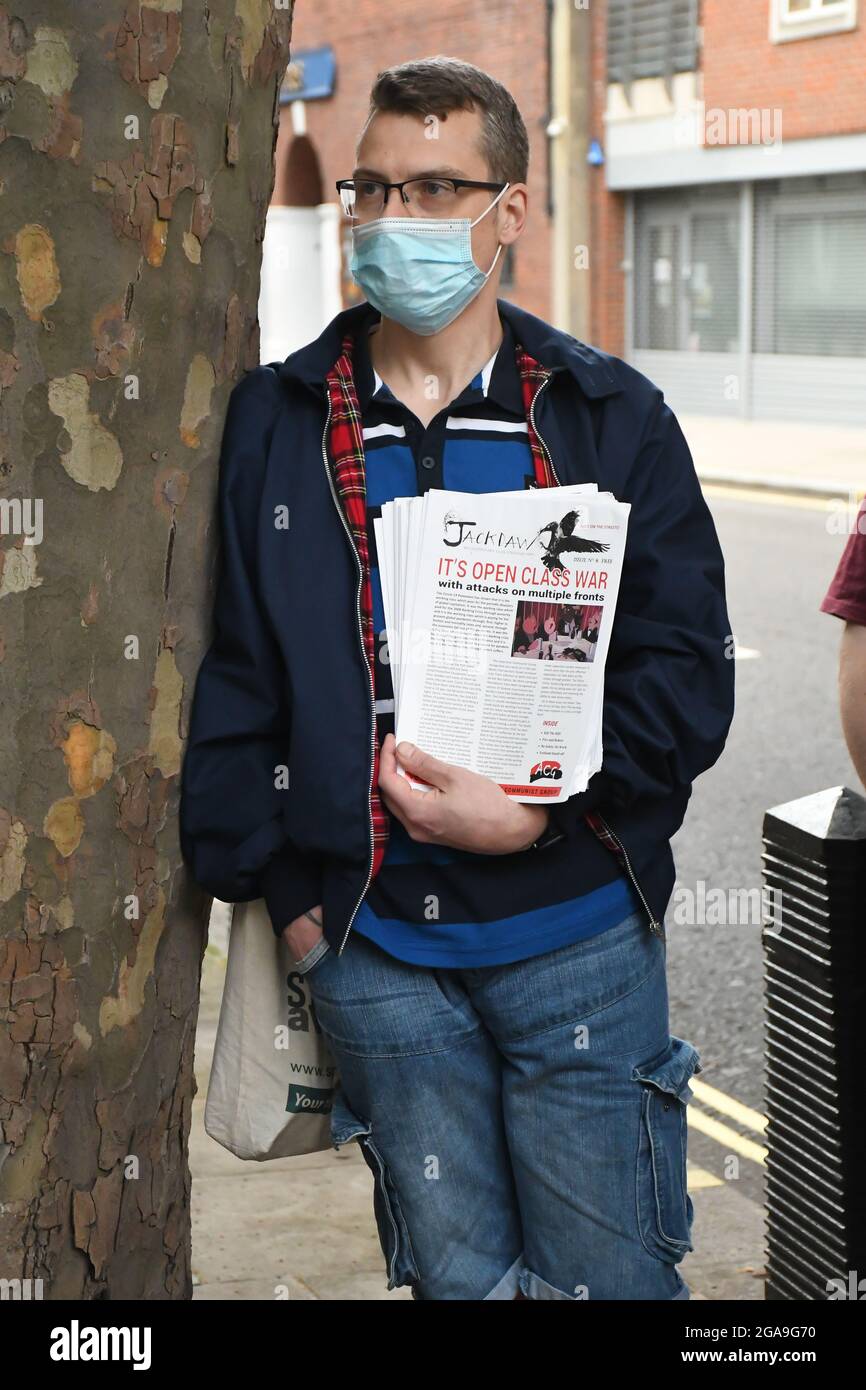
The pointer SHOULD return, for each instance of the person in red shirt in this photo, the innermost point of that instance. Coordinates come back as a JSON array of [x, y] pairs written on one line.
[[846, 599]]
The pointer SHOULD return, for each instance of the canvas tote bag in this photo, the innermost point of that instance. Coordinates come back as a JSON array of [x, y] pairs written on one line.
[[272, 1078]]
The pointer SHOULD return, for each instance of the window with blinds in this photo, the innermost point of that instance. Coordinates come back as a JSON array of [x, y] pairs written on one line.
[[687, 271], [810, 266], [651, 38]]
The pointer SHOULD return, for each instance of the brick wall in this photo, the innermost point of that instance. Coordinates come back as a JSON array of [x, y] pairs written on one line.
[[819, 84], [506, 39]]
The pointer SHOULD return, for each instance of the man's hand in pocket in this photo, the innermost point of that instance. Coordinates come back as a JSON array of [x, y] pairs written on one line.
[[301, 935]]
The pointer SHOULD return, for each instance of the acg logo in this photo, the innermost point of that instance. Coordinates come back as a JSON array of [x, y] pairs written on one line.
[[549, 768]]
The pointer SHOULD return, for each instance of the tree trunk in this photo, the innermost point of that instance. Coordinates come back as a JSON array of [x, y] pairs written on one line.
[[136, 158]]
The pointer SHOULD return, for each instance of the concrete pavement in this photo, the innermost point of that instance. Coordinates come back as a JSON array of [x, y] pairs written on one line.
[[827, 460]]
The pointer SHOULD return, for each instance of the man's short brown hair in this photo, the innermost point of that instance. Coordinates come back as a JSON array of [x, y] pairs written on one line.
[[435, 86]]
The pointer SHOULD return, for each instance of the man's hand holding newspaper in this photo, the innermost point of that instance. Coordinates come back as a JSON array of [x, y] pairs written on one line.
[[464, 809]]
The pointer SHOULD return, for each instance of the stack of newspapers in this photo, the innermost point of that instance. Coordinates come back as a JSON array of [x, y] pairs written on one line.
[[499, 609]]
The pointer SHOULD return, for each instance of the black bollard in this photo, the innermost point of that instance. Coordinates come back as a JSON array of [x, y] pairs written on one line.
[[815, 955]]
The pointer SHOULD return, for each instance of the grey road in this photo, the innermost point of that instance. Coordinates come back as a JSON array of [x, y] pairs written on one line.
[[786, 742]]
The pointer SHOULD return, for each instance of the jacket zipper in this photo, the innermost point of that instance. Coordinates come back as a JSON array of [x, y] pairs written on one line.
[[366, 664], [655, 926], [543, 444]]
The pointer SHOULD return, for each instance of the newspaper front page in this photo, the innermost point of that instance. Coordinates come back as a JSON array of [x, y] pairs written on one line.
[[499, 609]]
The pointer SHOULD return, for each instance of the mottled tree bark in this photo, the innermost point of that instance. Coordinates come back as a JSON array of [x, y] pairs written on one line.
[[136, 159]]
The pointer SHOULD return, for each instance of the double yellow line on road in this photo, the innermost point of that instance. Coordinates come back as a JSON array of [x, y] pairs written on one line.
[[730, 1139], [777, 497]]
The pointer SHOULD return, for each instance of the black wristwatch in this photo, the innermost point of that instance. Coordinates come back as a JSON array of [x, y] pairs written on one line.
[[551, 835]]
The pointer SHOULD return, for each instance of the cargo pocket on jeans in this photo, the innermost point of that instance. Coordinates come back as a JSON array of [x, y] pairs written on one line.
[[664, 1207], [390, 1222]]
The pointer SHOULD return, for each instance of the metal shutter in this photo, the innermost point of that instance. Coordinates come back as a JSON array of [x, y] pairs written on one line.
[[810, 266]]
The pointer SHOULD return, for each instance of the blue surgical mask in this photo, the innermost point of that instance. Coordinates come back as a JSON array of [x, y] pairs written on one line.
[[419, 270]]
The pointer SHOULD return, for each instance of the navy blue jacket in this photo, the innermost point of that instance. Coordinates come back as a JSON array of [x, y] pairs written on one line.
[[283, 692]]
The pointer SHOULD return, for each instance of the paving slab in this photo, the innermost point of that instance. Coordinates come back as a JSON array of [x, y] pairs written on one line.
[[826, 460]]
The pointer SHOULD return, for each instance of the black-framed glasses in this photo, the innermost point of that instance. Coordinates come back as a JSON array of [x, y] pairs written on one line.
[[431, 197]]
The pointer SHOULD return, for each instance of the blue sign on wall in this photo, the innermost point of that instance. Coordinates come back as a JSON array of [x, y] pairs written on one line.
[[310, 75]]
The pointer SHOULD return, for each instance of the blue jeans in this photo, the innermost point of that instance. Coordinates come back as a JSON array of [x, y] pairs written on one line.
[[525, 1124]]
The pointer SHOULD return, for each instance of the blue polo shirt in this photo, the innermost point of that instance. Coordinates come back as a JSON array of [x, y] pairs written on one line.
[[428, 904]]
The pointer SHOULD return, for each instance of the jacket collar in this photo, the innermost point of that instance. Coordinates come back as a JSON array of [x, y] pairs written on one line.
[[504, 385], [551, 347]]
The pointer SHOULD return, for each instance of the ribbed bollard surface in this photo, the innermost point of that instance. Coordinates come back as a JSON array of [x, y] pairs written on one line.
[[815, 957]]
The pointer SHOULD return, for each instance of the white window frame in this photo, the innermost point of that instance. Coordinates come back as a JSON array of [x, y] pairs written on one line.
[[819, 19]]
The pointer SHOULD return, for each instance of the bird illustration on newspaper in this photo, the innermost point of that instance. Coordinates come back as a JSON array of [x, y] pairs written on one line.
[[562, 539]]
